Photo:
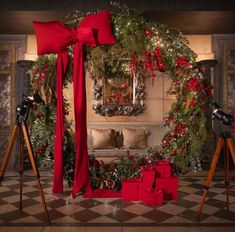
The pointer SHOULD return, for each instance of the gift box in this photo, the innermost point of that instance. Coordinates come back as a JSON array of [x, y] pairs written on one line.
[[142, 191], [154, 197], [148, 177], [163, 170], [130, 189], [164, 162], [150, 196], [169, 187]]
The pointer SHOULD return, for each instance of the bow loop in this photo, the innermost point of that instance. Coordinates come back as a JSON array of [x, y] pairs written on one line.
[[63, 37], [85, 36]]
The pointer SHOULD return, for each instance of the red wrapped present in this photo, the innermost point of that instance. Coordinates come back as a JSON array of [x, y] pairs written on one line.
[[163, 171], [154, 197], [169, 186], [130, 189], [164, 162], [148, 177], [142, 191]]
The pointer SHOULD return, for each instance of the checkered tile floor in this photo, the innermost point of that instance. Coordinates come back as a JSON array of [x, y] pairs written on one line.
[[64, 210]]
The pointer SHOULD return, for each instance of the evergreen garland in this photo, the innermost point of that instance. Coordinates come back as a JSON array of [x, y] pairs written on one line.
[[42, 118], [152, 47]]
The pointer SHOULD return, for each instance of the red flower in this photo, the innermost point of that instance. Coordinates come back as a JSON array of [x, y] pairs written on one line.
[[41, 151], [176, 83], [36, 71], [110, 183], [40, 115], [193, 84], [147, 53], [182, 61], [133, 167], [43, 75], [173, 153], [166, 142], [45, 68], [102, 177], [169, 119], [183, 132], [96, 163], [208, 90], [101, 163], [149, 33], [174, 134], [161, 66]]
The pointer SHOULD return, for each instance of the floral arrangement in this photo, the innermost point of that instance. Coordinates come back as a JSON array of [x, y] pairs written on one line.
[[152, 48]]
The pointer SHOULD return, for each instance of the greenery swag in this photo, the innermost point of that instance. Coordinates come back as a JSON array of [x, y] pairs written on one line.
[[153, 48]]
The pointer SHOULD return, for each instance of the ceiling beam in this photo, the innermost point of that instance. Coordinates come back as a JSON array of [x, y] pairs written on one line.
[[143, 5]]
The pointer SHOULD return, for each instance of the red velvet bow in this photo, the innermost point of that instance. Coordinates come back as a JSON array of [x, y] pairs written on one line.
[[54, 37]]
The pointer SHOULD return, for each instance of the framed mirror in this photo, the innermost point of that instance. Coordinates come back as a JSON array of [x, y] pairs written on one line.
[[119, 91]]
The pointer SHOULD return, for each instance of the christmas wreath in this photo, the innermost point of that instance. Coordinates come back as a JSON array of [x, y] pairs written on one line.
[[152, 48]]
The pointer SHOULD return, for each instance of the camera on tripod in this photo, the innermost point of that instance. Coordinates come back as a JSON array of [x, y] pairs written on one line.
[[20, 127], [23, 108], [217, 113]]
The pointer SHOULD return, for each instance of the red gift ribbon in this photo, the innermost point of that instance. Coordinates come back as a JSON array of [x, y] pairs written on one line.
[[78, 37]]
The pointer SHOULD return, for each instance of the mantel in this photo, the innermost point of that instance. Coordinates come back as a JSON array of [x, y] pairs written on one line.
[[121, 124]]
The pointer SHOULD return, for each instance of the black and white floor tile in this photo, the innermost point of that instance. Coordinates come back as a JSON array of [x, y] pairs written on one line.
[[66, 211]]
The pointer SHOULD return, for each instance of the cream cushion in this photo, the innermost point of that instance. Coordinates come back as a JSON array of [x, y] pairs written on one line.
[[103, 138], [135, 138]]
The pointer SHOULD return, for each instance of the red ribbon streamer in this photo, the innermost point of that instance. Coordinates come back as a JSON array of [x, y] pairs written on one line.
[[62, 37]]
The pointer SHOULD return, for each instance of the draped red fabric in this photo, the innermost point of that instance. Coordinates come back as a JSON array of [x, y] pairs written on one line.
[[62, 62], [55, 37], [81, 179]]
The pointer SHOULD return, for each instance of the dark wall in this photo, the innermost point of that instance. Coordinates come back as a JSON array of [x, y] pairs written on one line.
[[158, 5]]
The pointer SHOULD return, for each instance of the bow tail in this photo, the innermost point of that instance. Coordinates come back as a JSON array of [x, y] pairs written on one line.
[[81, 173], [62, 62]]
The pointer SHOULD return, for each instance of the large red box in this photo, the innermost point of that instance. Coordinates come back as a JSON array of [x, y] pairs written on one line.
[[169, 186], [142, 191], [130, 189]]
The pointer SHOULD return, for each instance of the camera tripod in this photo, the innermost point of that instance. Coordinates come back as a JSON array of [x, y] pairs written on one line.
[[226, 140], [21, 128]]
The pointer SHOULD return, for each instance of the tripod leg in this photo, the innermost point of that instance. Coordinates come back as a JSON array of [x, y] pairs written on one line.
[[35, 171], [21, 165], [8, 153], [227, 177], [231, 148], [210, 174]]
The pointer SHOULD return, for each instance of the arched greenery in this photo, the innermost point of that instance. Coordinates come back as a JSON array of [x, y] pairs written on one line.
[[152, 48]]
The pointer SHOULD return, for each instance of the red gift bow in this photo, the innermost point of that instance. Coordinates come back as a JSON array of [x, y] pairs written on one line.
[[81, 36]]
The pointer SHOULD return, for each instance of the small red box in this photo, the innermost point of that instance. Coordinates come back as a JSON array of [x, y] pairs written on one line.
[[163, 170], [148, 177], [169, 186], [130, 189], [165, 162], [154, 197]]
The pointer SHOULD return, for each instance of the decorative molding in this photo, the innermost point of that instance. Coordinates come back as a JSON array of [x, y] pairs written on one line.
[[16, 45], [105, 103], [222, 44], [121, 123]]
